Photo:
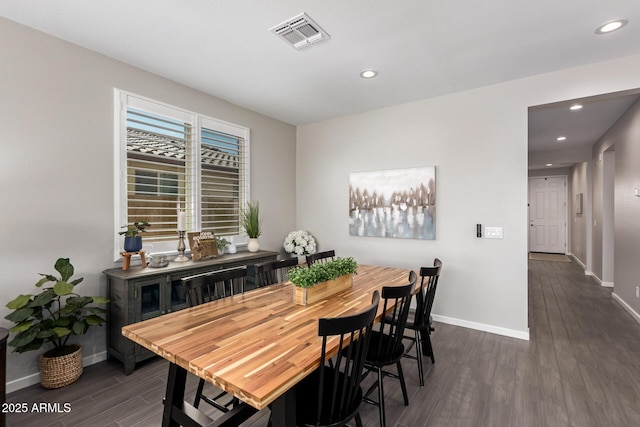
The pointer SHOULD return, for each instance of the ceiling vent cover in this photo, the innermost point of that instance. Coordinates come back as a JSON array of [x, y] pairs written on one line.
[[300, 31]]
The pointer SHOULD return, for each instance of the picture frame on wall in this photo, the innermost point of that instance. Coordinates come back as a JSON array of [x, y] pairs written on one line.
[[395, 203]]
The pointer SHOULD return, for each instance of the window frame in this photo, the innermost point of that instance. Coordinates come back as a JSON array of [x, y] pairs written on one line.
[[122, 101]]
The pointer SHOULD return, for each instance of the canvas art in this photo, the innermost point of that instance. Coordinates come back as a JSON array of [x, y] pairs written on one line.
[[398, 203]]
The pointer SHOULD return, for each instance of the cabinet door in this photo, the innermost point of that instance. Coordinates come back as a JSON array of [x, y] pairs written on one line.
[[149, 298], [176, 299]]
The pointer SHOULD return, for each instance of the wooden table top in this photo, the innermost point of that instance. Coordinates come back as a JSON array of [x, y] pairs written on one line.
[[259, 344]]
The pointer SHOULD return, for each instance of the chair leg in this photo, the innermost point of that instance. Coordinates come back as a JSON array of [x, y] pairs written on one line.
[[426, 345], [419, 354], [381, 398], [405, 396], [358, 420], [196, 402]]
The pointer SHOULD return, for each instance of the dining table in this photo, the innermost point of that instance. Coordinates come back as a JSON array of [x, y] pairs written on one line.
[[256, 345]]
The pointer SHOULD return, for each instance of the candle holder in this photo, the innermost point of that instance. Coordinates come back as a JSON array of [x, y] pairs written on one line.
[[181, 248]]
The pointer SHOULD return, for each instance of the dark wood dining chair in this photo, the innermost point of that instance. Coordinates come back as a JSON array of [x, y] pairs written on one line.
[[270, 272], [206, 287], [421, 323], [209, 286], [386, 346], [331, 395], [320, 257]]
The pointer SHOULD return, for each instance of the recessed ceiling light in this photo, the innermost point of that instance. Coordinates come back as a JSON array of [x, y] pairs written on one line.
[[611, 26], [368, 74], [561, 138], [575, 107], [549, 164]]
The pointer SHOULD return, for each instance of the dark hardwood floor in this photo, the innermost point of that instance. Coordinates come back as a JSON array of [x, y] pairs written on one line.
[[580, 368]]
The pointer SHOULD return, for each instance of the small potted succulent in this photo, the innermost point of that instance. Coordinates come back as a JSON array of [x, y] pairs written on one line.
[[132, 239], [221, 244], [52, 317]]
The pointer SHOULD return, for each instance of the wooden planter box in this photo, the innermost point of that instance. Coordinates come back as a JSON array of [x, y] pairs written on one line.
[[320, 291]]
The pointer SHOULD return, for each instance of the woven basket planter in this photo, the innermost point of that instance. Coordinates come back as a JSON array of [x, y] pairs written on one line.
[[60, 371]]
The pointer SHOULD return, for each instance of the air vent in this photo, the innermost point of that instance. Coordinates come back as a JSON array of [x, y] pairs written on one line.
[[300, 31]]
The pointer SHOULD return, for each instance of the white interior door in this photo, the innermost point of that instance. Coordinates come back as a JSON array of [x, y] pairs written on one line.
[[547, 214]]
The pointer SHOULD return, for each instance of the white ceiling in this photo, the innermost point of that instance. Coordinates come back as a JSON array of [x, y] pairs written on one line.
[[581, 128], [421, 48]]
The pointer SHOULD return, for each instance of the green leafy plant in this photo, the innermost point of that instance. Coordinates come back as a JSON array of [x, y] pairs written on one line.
[[55, 314], [250, 219], [134, 229], [305, 277], [221, 242]]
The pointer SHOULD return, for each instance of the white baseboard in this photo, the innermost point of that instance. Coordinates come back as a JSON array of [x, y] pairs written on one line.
[[600, 282], [580, 263], [483, 327], [23, 382], [627, 307], [32, 379]]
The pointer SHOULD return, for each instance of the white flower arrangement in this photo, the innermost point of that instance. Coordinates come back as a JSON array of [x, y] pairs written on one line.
[[300, 243]]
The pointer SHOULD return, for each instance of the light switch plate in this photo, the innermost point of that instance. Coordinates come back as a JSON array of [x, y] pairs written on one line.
[[493, 232]]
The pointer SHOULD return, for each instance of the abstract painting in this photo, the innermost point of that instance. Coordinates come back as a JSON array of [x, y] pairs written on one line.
[[398, 203]]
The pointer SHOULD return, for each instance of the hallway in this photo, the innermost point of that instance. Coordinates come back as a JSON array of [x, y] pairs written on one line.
[[580, 368], [586, 346]]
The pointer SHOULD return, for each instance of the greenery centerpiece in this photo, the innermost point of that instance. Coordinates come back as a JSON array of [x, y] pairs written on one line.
[[305, 277], [52, 317], [132, 238], [252, 224], [321, 280]]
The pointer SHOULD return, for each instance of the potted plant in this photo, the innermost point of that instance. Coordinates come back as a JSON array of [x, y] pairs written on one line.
[[221, 244], [132, 240], [300, 243], [251, 222], [52, 317], [321, 280]]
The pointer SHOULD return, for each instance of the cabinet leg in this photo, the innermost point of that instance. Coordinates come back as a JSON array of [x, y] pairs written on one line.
[[128, 367]]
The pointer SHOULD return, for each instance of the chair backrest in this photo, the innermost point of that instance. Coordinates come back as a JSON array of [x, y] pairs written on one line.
[[320, 257], [209, 286], [339, 393], [270, 272], [397, 302], [428, 284]]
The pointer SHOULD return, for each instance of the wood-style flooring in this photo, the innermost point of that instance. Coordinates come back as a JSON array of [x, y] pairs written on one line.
[[580, 368]]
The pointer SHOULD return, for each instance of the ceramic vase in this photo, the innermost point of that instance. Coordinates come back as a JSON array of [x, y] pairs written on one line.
[[253, 245]]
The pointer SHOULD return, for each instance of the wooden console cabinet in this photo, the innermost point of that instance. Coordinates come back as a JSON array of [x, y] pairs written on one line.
[[142, 293]]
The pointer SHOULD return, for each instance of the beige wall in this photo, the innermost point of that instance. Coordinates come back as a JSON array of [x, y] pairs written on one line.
[[625, 135], [57, 169], [477, 140], [579, 223]]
